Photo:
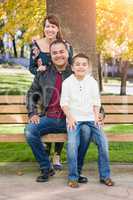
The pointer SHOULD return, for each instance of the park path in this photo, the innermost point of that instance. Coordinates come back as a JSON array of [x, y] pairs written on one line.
[[14, 187]]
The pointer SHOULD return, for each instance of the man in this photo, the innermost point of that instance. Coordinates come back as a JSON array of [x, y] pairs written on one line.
[[46, 87]]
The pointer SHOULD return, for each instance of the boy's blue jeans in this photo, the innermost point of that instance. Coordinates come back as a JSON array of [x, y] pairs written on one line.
[[77, 146], [34, 132]]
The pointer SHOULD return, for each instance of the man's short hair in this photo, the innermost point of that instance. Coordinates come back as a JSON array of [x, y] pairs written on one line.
[[80, 55], [59, 41]]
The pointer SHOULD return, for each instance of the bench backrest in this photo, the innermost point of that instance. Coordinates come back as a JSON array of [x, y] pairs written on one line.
[[118, 109]]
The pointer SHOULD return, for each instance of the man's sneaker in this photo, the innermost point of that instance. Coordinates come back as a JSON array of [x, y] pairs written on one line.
[[43, 177], [56, 162], [82, 179]]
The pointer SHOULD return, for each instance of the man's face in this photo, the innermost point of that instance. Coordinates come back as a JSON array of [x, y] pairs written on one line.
[[59, 54]]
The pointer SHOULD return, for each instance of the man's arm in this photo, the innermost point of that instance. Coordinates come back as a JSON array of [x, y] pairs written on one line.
[[32, 98]]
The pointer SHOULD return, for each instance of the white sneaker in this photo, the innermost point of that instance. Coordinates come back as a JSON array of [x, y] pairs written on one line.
[[56, 162]]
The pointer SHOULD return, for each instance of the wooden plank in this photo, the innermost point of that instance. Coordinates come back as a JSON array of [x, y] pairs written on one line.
[[118, 119], [62, 138], [113, 99], [59, 137], [23, 118], [108, 109], [19, 99], [118, 109], [14, 119], [120, 138], [12, 99], [13, 109]]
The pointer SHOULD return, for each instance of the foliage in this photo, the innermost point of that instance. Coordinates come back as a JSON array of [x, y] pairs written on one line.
[[114, 28], [23, 15]]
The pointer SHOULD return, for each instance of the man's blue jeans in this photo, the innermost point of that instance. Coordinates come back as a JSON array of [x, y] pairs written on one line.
[[78, 142], [34, 132]]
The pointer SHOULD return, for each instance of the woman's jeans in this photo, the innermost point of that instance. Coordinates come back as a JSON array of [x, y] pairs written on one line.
[[34, 132], [78, 141]]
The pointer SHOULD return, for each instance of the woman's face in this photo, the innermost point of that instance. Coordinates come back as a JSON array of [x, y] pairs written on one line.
[[50, 30]]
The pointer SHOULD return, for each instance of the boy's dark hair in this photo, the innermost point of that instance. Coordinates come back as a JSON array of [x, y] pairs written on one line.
[[58, 42], [80, 55]]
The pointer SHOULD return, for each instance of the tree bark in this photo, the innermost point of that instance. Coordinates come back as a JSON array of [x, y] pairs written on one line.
[[123, 72], [78, 21]]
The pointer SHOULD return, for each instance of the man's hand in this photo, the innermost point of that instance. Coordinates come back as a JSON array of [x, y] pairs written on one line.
[[35, 119]]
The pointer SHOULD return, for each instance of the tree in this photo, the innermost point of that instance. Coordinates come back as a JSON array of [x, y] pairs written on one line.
[[22, 15], [114, 32]]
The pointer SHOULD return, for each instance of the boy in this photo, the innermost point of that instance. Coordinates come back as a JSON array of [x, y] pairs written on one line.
[[80, 102]]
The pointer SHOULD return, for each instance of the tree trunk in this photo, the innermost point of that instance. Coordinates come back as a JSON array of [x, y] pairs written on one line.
[[99, 72], [78, 21], [123, 72], [22, 51], [14, 48]]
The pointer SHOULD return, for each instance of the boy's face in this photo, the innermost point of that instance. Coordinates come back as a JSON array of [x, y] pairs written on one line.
[[59, 54], [80, 67]]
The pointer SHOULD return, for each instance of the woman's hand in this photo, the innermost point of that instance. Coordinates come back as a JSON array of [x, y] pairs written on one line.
[[41, 68]]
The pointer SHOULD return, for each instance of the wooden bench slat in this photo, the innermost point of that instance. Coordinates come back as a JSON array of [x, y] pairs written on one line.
[[118, 119], [21, 138], [13, 119], [13, 109], [113, 99], [107, 108], [62, 138], [12, 99], [23, 118], [118, 109], [17, 99]]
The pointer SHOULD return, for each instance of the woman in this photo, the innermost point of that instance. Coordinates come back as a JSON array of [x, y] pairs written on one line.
[[40, 59]]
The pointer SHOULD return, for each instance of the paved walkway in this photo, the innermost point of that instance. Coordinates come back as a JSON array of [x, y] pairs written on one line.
[[24, 187]]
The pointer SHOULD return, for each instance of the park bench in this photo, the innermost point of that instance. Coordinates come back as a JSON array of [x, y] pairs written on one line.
[[118, 109]]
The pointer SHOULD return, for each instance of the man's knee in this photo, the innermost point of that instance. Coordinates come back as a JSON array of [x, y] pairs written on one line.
[[30, 132]]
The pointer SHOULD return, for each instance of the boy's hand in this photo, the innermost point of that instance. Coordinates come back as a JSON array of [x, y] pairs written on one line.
[[71, 122], [35, 119], [99, 120]]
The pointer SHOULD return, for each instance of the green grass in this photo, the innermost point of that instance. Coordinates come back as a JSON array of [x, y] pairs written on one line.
[[16, 84], [11, 128], [119, 129], [119, 152]]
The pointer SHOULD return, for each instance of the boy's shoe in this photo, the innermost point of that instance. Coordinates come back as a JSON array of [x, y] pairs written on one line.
[[82, 179], [73, 184], [107, 182], [56, 162]]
